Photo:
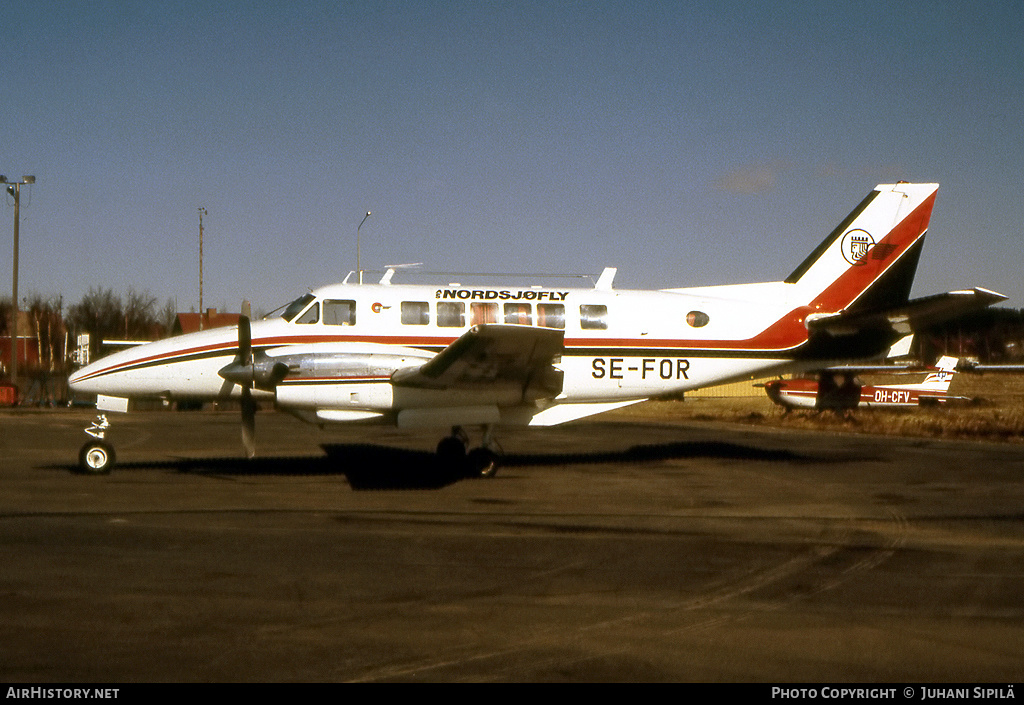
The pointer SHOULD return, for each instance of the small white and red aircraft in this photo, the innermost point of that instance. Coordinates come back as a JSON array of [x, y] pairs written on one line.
[[839, 389], [458, 357]]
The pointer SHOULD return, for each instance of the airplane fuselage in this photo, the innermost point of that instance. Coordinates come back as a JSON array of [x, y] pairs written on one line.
[[344, 342], [806, 394]]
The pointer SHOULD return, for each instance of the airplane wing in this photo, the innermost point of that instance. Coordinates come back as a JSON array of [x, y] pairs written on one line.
[[493, 355], [911, 316], [875, 369], [945, 363], [982, 369]]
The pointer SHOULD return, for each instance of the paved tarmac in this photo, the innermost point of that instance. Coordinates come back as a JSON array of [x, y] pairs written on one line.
[[610, 550]]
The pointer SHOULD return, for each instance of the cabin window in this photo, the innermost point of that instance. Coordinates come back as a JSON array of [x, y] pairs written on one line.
[[482, 313], [697, 319], [415, 313], [594, 317], [518, 314], [451, 314], [312, 314], [295, 307], [551, 315], [339, 313]]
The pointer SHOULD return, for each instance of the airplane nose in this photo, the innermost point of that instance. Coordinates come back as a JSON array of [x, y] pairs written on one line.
[[78, 381], [75, 379]]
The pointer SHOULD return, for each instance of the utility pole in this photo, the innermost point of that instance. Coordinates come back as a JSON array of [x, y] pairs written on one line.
[[15, 190], [202, 212]]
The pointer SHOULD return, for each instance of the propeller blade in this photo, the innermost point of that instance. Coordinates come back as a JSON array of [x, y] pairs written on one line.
[[244, 340], [244, 360], [248, 422]]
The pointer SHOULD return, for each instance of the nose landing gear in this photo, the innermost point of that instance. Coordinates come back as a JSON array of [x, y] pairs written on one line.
[[97, 457]]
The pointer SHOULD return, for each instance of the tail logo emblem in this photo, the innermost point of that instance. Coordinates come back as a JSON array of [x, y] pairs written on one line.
[[856, 245]]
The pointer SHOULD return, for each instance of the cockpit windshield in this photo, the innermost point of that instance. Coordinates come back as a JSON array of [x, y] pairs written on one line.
[[296, 307]]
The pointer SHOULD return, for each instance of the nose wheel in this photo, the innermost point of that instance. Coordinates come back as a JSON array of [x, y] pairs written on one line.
[[97, 457]]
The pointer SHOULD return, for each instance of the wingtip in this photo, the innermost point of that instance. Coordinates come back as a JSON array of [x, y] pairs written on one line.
[[994, 295], [987, 295]]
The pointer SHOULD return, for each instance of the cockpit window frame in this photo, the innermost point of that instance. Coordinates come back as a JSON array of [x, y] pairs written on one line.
[[310, 316], [296, 307]]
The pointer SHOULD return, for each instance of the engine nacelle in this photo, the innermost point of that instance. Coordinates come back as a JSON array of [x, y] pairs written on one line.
[[336, 365], [341, 393], [340, 380]]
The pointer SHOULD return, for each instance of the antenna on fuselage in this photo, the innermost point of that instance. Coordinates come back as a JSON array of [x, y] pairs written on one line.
[[392, 268], [604, 282]]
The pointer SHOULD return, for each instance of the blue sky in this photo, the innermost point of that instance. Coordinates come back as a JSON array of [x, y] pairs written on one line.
[[686, 143]]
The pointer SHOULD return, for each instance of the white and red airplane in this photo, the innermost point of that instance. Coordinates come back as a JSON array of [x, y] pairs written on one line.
[[839, 389], [464, 356]]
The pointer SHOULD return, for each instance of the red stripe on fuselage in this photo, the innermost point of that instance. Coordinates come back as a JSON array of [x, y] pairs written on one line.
[[785, 334], [162, 358]]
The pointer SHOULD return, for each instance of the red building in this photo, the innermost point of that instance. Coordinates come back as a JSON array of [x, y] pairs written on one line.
[[192, 322], [28, 345]]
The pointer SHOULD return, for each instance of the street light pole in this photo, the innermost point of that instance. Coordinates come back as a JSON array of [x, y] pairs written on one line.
[[202, 212], [359, 262], [14, 188]]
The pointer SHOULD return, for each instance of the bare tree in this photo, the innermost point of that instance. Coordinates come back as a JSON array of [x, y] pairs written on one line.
[[104, 315], [47, 323], [99, 313], [140, 318], [168, 315]]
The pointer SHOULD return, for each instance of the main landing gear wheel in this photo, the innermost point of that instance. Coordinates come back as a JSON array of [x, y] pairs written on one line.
[[451, 450], [482, 462], [479, 462], [96, 458]]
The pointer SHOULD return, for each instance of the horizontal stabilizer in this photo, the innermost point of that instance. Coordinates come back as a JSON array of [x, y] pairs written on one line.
[[903, 320]]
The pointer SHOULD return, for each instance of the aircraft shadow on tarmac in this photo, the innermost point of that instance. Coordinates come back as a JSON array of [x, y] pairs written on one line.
[[374, 467]]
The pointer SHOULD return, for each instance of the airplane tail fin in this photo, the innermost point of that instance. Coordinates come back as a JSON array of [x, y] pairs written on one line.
[[901, 348], [938, 381], [869, 261]]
